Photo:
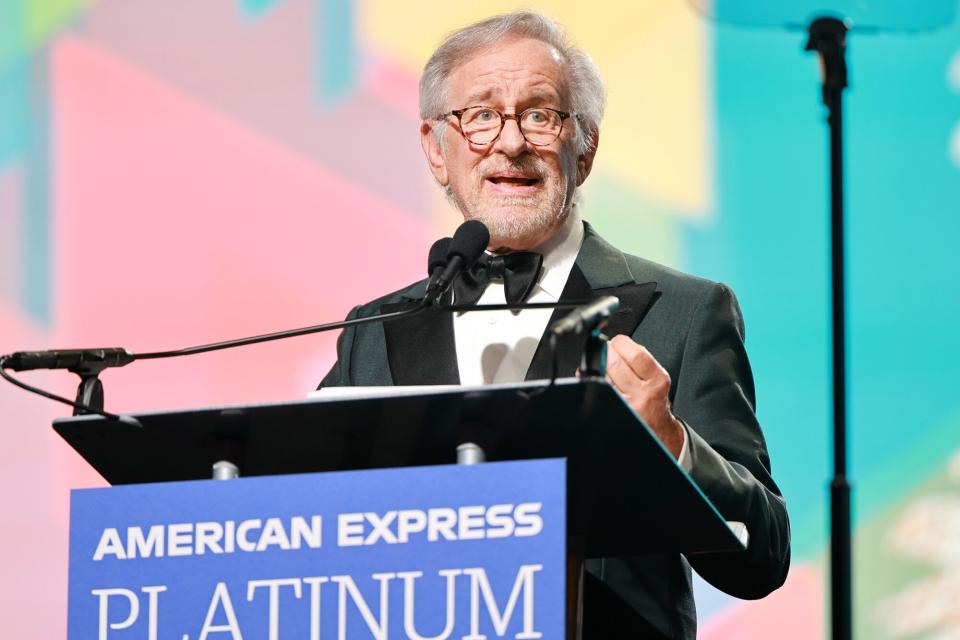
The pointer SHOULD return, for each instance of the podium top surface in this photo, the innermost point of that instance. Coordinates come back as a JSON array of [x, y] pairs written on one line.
[[626, 493]]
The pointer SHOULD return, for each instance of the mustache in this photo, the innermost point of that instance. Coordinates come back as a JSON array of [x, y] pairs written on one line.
[[528, 164]]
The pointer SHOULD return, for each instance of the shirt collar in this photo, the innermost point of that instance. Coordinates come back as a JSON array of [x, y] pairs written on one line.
[[559, 253]]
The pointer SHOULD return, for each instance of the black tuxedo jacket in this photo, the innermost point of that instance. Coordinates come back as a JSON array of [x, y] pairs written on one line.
[[693, 327]]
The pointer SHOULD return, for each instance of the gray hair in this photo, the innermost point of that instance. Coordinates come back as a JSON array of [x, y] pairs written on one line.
[[587, 95]]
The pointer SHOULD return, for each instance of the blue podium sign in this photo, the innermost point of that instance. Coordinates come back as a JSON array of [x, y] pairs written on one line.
[[428, 553]]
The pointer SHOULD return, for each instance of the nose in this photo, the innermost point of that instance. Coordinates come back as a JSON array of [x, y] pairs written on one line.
[[511, 141]]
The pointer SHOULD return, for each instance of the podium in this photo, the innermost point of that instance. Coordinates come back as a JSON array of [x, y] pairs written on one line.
[[612, 458]]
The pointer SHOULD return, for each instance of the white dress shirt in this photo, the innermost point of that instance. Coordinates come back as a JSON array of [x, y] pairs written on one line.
[[498, 346]]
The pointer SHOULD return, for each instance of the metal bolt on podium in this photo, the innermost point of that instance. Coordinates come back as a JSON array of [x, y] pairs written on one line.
[[470, 453], [224, 470]]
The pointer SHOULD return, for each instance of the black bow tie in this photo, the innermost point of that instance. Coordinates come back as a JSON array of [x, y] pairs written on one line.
[[519, 272]]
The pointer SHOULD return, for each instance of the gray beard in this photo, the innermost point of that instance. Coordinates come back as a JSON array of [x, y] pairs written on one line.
[[509, 229]]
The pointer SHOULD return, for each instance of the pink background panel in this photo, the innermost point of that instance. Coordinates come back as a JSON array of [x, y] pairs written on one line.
[[796, 610], [34, 499], [262, 72], [164, 212], [11, 201], [167, 211]]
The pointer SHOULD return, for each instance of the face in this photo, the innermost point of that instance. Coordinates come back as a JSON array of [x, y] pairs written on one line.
[[521, 192]]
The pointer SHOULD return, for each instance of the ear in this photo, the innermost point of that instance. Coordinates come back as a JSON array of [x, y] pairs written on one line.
[[431, 149], [585, 160]]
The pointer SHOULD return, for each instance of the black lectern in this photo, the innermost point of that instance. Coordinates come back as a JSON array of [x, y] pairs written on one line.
[[613, 459]]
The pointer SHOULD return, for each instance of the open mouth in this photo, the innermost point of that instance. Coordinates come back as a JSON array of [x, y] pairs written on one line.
[[503, 181]]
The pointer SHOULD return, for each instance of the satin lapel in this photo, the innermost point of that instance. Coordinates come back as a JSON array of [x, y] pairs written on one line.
[[421, 348], [635, 301], [600, 270], [606, 269], [569, 346]]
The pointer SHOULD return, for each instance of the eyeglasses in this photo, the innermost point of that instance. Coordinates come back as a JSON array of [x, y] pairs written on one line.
[[539, 126]]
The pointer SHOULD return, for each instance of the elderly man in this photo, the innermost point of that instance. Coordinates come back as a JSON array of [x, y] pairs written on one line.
[[510, 126]]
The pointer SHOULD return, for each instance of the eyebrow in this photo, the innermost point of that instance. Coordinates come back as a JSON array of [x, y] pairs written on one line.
[[480, 97]]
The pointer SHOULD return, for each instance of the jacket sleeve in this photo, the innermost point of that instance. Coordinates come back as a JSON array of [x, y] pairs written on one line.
[[339, 374], [728, 454]]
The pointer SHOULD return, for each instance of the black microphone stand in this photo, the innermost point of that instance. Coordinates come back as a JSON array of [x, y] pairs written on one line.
[[92, 362], [828, 38], [90, 396]]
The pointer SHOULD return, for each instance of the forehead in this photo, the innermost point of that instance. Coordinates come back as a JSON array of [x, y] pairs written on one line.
[[518, 69]]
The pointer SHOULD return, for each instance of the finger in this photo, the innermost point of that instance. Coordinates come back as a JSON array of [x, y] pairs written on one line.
[[642, 365], [622, 376], [636, 356]]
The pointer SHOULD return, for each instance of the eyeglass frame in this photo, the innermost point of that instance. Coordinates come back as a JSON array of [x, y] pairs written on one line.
[[564, 115]]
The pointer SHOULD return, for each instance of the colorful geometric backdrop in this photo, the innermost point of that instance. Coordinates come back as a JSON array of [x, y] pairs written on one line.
[[175, 172]]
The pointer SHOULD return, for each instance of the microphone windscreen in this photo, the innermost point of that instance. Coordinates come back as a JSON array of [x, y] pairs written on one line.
[[438, 254], [469, 241]]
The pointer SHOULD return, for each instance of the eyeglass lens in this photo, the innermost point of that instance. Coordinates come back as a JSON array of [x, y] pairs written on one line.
[[481, 125]]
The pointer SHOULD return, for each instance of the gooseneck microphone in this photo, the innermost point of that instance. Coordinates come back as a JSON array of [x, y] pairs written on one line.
[[466, 247], [587, 317], [70, 359], [86, 363], [448, 257]]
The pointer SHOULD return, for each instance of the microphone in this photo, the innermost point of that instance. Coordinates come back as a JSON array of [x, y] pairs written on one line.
[[72, 359], [468, 243], [587, 317], [437, 260]]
